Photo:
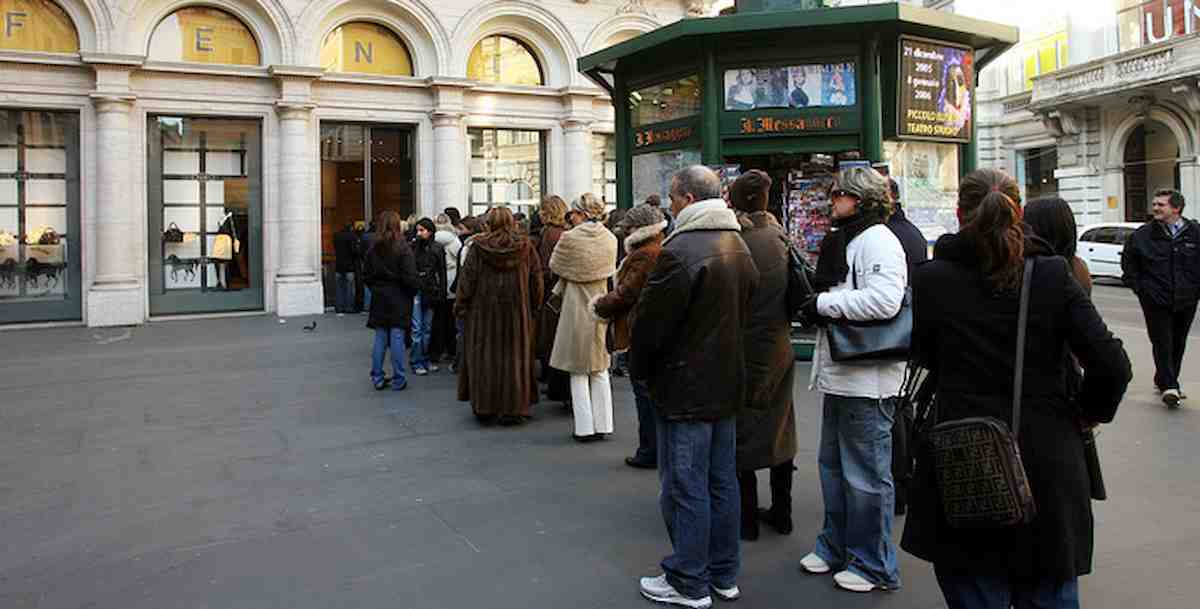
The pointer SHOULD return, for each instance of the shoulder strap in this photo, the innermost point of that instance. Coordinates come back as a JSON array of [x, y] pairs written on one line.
[[1022, 324]]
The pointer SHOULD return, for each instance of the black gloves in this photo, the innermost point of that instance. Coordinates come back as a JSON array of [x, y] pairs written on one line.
[[809, 316]]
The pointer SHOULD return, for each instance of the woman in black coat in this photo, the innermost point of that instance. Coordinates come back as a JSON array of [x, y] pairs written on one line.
[[766, 426], [391, 273], [965, 305]]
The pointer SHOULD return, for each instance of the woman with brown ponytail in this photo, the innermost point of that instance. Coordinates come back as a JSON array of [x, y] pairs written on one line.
[[965, 306]]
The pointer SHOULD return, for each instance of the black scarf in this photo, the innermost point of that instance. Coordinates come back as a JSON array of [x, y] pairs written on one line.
[[831, 264]]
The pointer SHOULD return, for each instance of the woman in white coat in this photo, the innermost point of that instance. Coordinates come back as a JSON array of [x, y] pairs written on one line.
[[861, 276], [444, 322], [584, 259]]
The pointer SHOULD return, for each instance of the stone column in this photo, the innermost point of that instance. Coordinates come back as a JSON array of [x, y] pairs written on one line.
[[449, 171], [577, 153], [115, 297], [297, 283], [449, 174]]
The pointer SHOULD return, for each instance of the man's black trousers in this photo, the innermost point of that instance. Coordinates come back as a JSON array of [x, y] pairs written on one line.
[[1168, 329]]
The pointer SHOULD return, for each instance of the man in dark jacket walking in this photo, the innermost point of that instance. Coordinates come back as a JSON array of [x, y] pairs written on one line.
[[1161, 262], [346, 255], [688, 344]]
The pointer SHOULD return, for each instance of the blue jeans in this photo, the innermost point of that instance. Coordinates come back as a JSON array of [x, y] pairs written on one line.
[[366, 298], [422, 331], [700, 505], [966, 591], [344, 297], [389, 338], [647, 436], [855, 463]]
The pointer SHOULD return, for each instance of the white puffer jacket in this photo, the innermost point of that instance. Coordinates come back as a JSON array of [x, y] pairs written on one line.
[[878, 258], [451, 245]]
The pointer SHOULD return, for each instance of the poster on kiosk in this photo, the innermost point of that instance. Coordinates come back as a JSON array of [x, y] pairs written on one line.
[[937, 85]]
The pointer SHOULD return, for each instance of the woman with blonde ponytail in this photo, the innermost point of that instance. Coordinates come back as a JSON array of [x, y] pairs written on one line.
[[965, 307]]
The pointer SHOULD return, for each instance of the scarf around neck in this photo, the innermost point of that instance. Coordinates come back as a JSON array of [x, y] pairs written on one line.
[[832, 266]]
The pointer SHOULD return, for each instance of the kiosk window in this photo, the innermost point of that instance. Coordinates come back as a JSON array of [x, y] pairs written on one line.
[[666, 101]]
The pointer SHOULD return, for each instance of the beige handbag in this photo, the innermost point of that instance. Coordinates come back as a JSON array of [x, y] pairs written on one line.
[[222, 248], [45, 254]]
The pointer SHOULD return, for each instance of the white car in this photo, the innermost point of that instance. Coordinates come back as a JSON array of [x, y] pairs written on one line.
[[1100, 246]]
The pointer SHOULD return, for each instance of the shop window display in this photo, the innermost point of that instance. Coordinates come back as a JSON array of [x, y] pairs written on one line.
[[665, 101], [928, 177], [653, 171], [604, 168], [506, 169], [35, 231], [208, 207]]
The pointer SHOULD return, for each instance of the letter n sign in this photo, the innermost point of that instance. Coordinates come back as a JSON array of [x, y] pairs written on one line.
[[360, 52]]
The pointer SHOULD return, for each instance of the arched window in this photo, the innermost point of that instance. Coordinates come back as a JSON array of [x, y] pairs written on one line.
[[36, 25], [368, 48], [505, 60], [201, 34]]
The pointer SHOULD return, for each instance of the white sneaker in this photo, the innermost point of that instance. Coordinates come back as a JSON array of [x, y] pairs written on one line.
[[433, 367], [727, 594], [659, 590], [855, 583], [1171, 398], [814, 564]]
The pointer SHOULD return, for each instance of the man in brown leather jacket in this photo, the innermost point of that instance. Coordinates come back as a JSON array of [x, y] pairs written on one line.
[[687, 343]]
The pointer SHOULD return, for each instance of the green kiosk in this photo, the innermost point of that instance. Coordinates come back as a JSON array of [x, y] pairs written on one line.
[[799, 93]]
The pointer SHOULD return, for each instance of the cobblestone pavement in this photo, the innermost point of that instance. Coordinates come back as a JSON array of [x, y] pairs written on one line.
[[243, 463]]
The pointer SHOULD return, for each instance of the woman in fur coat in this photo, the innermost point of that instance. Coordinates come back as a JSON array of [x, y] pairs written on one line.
[[643, 229], [499, 291], [553, 214], [584, 259]]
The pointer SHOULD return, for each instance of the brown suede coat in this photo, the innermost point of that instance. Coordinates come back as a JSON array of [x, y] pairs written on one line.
[[548, 317], [617, 305], [499, 293]]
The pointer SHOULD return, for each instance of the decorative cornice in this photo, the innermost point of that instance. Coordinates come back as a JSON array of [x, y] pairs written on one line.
[[108, 102], [57, 59], [451, 82], [446, 118], [112, 59], [280, 71], [577, 123]]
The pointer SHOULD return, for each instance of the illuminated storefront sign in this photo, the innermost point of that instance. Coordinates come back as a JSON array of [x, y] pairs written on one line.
[[937, 82], [36, 25], [365, 48], [672, 135], [204, 35], [767, 124]]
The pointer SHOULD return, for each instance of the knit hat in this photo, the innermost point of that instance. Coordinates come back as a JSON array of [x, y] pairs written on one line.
[[590, 206], [641, 224]]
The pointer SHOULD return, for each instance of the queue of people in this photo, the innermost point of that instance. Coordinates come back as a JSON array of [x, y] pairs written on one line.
[[550, 304]]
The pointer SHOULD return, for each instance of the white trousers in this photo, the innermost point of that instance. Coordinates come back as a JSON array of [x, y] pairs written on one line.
[[591, 397]]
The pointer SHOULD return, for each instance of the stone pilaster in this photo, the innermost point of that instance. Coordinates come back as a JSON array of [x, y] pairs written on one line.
[[577, 145], [115, 296], [451, 175], [297, 282]]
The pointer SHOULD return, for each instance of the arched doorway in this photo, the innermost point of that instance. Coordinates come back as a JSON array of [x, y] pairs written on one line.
[[1151, 162]]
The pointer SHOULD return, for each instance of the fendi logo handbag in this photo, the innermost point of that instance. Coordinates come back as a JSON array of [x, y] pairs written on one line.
[[977, 461]]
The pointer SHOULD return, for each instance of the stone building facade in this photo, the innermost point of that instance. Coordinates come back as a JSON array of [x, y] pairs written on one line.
[[1099, 105], [164, 157]]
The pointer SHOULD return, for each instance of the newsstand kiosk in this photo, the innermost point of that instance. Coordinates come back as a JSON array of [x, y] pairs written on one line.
[[801, 93]]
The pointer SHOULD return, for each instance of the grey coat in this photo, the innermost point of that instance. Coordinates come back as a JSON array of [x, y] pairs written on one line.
[[766, 425]]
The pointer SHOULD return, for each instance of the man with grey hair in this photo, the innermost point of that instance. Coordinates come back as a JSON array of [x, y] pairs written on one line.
[[687, 345]]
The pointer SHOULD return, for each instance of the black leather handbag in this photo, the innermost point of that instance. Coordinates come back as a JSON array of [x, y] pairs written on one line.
[[173, 234], [977, 461], [885, 339]]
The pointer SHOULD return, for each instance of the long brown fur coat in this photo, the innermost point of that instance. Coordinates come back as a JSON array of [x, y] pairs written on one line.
[[499, 292]]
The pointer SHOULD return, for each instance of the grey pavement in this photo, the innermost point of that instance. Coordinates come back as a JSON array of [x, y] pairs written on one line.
[[243, 463]]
